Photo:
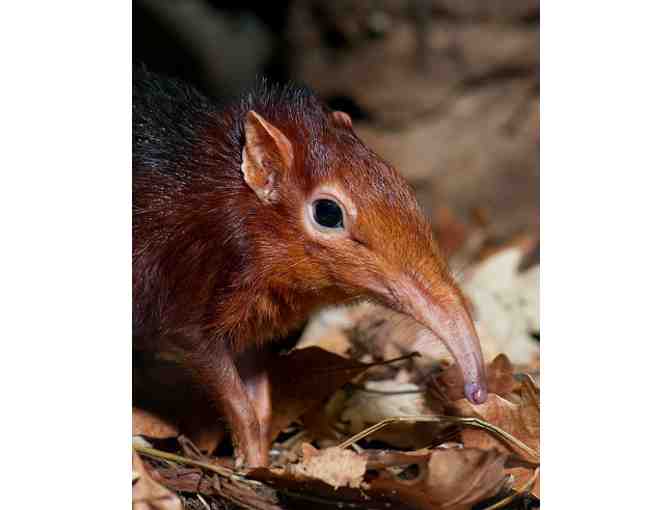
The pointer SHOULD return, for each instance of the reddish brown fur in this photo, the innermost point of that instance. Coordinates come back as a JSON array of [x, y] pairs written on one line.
[[215, 269], [209, 284]]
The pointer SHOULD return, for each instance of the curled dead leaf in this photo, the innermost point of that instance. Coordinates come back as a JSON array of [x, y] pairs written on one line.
[[303, 379], [451, 479], [521, 420]]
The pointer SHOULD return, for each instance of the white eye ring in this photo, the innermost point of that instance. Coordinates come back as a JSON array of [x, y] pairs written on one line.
[[327, 224]]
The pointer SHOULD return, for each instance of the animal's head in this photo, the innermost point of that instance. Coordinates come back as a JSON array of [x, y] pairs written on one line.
[[335, 219]]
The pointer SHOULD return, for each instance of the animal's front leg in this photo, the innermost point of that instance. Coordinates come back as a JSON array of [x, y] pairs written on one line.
[[253, 367], [216, 371]]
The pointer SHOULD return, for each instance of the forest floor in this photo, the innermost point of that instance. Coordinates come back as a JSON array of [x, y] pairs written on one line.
[[449, 94], [368, 411]]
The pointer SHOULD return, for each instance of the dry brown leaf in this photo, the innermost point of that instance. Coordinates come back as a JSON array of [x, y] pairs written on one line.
[[167, 403], [303, 379], [449, 384], [300, 380], [380, 459], [148, 494], [452, 479], [320, 421], [151, 425], [304, 492], [226, 488], [521, 420]]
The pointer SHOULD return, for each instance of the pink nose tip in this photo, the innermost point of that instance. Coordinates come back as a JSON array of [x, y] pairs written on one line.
[[475, 392]]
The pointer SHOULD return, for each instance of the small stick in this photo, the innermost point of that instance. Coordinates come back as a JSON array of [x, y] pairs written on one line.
[[158, 454], [366, 366], [411, 355], [361, 387], [472, 422], [526, 488], [189, 447], [202, 500]]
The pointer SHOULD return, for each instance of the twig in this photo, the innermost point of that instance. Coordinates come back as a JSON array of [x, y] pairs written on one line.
[[410, 355], [158, 454], [202, 500], [471, 422], [526, 488], [362, 388], [189, 447], [366, 366]]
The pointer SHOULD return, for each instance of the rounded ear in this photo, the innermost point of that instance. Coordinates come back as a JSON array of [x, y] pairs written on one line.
[[342, 119], [266, 155]]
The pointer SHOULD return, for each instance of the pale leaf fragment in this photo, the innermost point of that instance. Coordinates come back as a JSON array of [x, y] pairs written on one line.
[[333, 466], [380, 400], [506, 303]]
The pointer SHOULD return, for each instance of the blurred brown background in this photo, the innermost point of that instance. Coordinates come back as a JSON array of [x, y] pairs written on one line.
[[447, 90]]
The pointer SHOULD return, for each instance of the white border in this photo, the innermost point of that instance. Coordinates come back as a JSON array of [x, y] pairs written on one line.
[[65, 254], [65, 262]]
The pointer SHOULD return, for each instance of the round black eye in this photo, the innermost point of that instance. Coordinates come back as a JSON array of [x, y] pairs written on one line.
[[327, 213]]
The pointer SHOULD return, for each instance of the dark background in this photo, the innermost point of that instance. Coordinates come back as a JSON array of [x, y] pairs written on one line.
[[446, 90]]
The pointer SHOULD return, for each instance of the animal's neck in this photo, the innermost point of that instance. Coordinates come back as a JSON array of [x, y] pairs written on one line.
[[264, 313]]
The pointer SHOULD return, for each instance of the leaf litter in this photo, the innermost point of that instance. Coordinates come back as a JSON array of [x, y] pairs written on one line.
[[359, 421]]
